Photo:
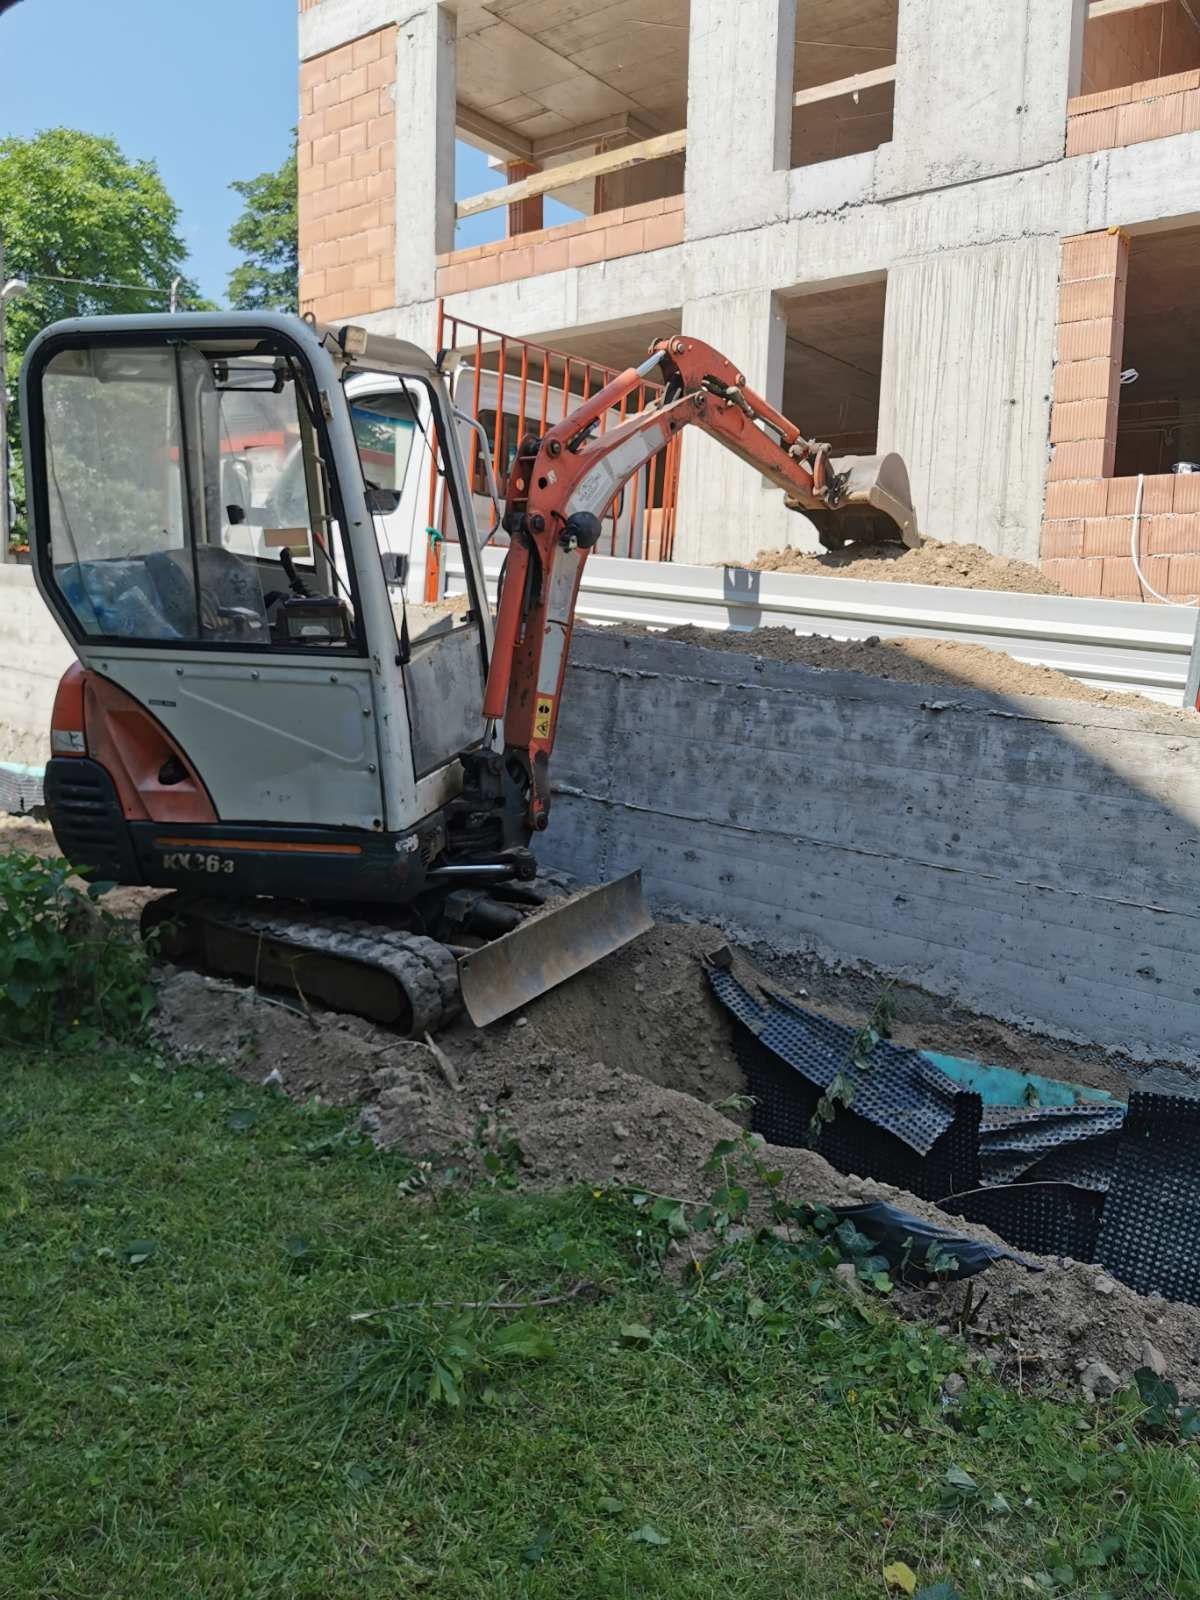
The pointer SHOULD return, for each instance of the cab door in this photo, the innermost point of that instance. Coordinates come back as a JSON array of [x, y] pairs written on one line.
[[191, 541]]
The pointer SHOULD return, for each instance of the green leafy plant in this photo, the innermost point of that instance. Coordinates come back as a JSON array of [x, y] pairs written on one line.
[[1163, 1414], [858, 1060], [67, 966], [739, 1166], [502, 1155], [420, 1361]]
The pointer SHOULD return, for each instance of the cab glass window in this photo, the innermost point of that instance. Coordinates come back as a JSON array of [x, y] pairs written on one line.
[[186, 499]]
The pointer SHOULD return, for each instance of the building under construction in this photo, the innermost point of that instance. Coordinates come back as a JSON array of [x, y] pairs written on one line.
[[945, 231]]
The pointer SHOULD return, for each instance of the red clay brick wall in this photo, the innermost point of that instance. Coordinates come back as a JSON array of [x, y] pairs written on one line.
[[1134, 113], [1131, 46], [1088, 514], [347, 178], [604, 237]]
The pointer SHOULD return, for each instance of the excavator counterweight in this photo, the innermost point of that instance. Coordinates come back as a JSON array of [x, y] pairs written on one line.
[[343, 807]]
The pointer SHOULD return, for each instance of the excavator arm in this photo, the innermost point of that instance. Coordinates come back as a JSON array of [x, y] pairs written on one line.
[[561, 484]]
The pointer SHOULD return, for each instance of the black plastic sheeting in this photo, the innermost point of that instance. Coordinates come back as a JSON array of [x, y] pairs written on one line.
[[905, 1241], [1095, 1181]]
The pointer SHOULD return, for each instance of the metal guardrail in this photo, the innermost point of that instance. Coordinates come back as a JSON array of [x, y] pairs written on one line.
[[1110, 644]]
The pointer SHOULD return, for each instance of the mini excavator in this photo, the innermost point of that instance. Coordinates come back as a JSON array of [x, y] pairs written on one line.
[[343, 809]]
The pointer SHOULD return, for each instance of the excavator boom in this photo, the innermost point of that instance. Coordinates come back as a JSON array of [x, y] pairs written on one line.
[[561, 484]]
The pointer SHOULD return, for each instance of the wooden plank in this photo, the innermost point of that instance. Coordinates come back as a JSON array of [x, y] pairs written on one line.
[[632, 155], [841, 86]]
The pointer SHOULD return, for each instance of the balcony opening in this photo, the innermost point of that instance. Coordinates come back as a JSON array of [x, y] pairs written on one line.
[[1139, 44], [597, 100], [1158, 414], [844, 78]]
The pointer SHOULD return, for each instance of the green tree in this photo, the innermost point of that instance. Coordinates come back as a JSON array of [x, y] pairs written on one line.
[[266, 234], [74, 207]]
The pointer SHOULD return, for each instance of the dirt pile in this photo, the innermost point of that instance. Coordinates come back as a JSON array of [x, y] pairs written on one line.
[[915, 659], [956, 566], [1065, 1322]]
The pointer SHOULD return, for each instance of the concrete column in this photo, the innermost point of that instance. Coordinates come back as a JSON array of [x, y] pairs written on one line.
[[740, 70], [727, 512], [981, 88], [968, 352], [426, 95]]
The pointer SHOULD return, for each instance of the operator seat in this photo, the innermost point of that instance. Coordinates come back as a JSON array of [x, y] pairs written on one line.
[[230, 583]]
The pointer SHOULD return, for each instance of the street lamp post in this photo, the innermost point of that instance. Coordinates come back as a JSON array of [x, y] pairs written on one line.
[[10, 289]]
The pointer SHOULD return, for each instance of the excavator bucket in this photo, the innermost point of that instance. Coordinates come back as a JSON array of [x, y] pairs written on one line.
[[876, 506], [551, 947]]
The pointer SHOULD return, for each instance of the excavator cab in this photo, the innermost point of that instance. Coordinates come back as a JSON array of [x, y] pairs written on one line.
[[205, 535]]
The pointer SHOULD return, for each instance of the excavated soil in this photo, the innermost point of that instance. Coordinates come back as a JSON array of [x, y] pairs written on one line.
[[957, 566], [616, 1078], [913, 660], [1059, 1323]]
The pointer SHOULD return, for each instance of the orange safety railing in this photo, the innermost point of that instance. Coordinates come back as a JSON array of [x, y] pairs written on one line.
[[513, 387]]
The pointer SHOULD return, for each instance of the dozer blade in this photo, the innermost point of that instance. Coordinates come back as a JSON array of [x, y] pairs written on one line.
[[876, 507], [552, 947]]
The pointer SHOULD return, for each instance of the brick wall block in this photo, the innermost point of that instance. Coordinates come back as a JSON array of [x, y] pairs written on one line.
[[1085, 380], [1062, 539], [1081, 459], [1149, 119], [1086, 341], [1096, 130], [1106, 536], [1094, 255], [1075, 499], [1118, 580], [1183, 581], [1082, 419], [1170, 534], [1089, 298], [1076, 576]]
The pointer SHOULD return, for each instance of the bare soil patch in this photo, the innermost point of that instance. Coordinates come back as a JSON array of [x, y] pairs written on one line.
[[916, 659], [958, 566]]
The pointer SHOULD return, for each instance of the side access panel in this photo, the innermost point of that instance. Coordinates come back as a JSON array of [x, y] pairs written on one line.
[[281, 742]]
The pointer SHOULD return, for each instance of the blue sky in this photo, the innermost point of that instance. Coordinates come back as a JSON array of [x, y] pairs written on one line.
[[204, 88]]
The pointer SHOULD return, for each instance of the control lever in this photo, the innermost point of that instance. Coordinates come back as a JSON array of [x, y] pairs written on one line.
[[295, 582]]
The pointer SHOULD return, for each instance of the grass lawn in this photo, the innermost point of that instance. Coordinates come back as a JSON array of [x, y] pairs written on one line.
[[181, 1255]]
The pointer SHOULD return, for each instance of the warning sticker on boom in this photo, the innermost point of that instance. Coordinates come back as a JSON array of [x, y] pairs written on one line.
[[541, 717]]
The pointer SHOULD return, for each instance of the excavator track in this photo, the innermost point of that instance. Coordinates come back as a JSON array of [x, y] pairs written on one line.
[[404, 980]]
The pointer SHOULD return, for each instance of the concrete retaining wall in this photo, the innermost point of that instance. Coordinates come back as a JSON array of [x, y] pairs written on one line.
[[1036, 859], [33, 657]]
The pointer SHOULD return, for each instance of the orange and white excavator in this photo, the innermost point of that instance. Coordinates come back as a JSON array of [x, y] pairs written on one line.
[[343, 806]]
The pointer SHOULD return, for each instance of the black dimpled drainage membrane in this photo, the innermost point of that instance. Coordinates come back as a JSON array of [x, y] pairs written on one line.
[[1150, 1236], [1052, 1220], [1095, 1182], [908, 1125]]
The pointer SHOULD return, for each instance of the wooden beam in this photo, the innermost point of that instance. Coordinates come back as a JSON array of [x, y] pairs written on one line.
[[491, 136], [632, 155], [841, 86]]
